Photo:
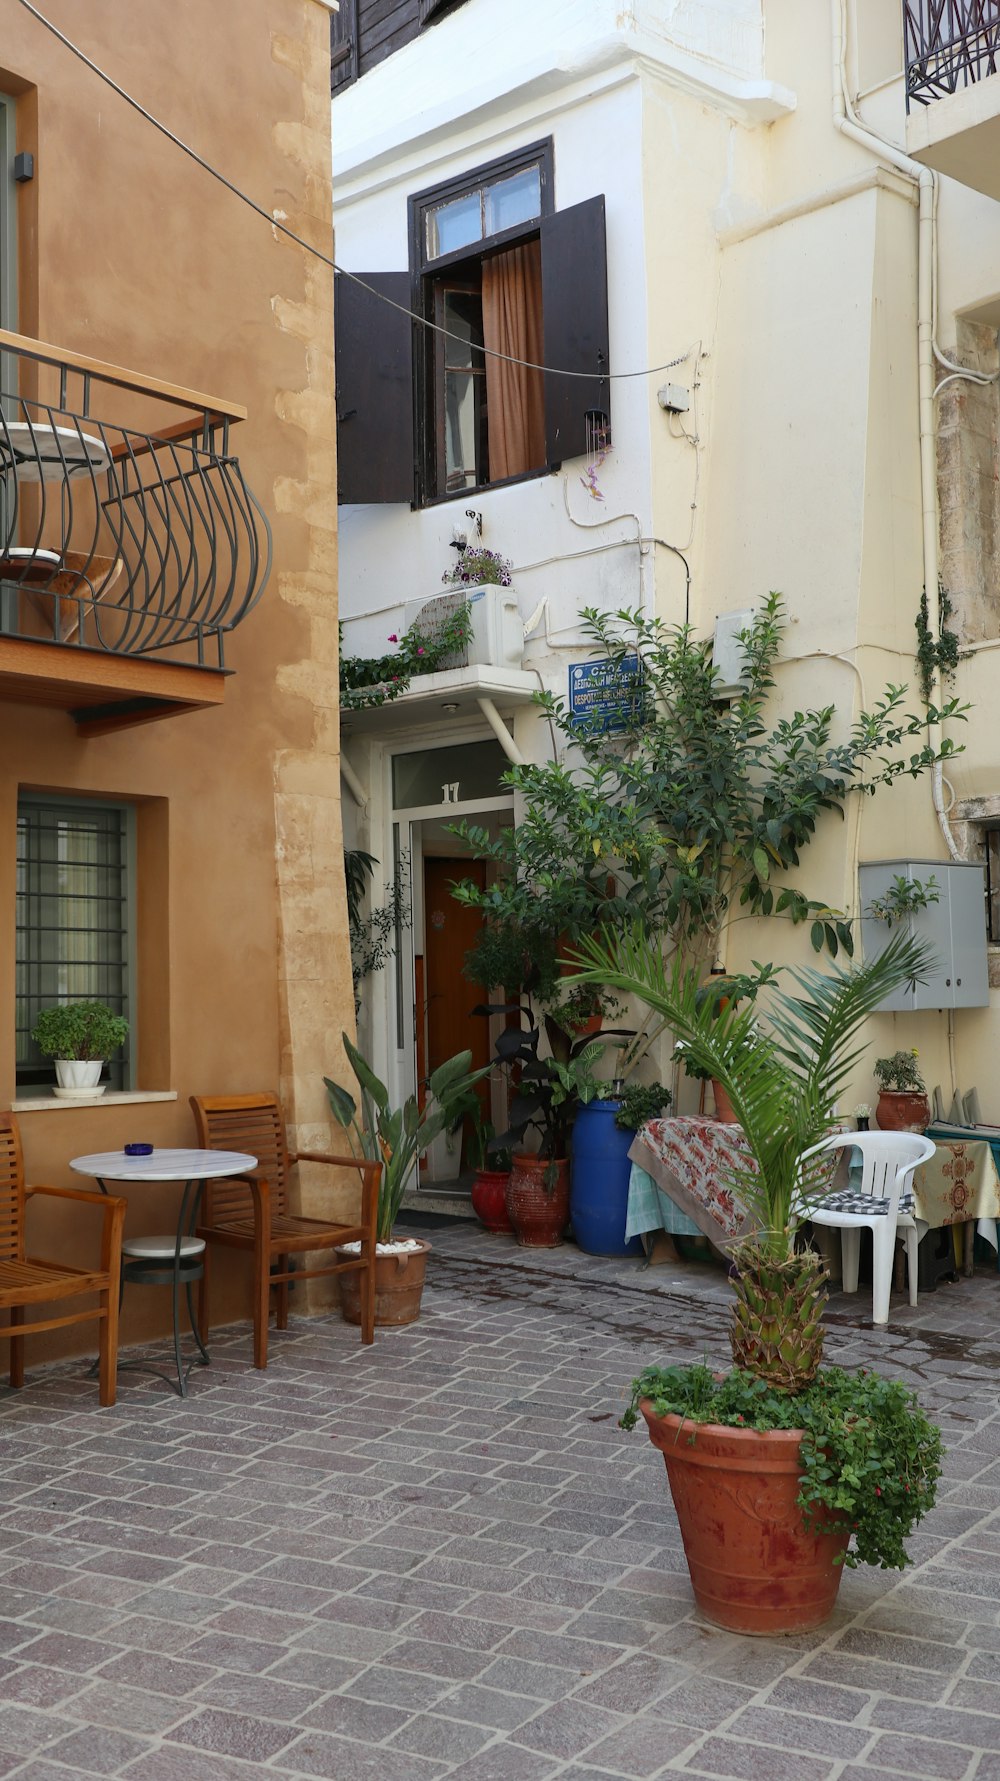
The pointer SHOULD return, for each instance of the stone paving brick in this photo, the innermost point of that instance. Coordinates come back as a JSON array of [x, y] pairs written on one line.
[[232, 1734], [976, 1730], [568, 1728], [917, 1756], [342, 1760], [642, 1747], [97, 1749], [748, 1762]]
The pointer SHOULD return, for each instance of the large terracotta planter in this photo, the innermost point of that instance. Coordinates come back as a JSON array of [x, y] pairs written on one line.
[[900, 1110], [538, 1213], [755, 1567], [399, 1282], [489, 1200]]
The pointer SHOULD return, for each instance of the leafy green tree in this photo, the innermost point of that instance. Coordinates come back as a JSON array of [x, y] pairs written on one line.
[[693, 806]]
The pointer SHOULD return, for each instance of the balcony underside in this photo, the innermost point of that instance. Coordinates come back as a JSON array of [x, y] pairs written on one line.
[[103, 692], [959, 135]]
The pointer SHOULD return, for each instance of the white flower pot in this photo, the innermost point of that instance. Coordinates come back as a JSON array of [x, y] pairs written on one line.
[[79, 1076]]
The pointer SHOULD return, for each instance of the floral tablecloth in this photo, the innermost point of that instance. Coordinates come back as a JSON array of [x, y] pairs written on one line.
[[689, 1158], [687, 1161]]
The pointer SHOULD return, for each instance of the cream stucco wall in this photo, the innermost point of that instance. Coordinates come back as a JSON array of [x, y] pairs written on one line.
[[785, 255]]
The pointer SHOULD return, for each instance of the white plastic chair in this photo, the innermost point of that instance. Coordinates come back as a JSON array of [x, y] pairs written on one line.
[[883, 1202]]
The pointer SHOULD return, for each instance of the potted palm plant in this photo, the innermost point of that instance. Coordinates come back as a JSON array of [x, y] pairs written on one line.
[[776, 1467], [397, 1138], [80, 1037], [549, 1089]]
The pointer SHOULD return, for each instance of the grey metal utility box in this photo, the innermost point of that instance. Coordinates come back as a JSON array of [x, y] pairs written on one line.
[[954, 926]]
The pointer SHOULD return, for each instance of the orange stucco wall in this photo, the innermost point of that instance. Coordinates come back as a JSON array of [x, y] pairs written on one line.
[[131, 253]]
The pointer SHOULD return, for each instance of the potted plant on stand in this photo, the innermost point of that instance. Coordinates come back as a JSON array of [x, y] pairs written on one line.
[[80, 1037], [777, 1466], [398, 1138], [902, 1102]]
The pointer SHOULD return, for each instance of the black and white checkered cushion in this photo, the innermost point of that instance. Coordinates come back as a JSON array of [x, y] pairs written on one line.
[[864, 1205]]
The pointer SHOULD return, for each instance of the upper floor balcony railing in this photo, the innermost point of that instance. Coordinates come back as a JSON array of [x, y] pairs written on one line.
[[948, 44], [126, 524]]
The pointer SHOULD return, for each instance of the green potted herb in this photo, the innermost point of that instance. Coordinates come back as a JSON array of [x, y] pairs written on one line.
[[902, 1101], [397, 1138], [777, 1466], [80, 1037]]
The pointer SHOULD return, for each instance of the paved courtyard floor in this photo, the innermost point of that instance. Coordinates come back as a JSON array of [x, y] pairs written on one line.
[[440, 1557]]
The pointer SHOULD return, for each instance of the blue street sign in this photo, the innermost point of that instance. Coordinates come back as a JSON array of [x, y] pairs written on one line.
[[605, 695]]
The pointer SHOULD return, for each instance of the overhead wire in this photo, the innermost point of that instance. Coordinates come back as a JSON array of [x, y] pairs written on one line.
[[317, 253]]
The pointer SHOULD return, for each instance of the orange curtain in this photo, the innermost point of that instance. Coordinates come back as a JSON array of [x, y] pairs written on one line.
[[515, 397]]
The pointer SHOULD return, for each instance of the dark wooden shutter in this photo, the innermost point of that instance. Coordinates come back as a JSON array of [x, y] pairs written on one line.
[[575, 322], [435, 9], [374, 349], [344, 45]]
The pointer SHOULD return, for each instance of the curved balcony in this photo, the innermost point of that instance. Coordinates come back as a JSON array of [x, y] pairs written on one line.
[[130, 543], [952, 54]]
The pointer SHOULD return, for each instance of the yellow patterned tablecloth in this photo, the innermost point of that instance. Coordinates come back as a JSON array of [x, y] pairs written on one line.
[[959, 1185]]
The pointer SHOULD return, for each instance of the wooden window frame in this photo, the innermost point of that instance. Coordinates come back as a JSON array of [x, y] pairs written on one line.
[[425, 273]]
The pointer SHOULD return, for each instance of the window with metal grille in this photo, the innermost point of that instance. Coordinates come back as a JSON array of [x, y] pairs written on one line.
[[73, 918]]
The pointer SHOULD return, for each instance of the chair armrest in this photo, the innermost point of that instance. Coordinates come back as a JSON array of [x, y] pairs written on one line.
[[113, 1208], [370, 1169], [87, 1195], [342, 1162]]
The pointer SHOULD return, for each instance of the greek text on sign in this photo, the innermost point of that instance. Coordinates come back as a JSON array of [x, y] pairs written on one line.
[[605, 695]]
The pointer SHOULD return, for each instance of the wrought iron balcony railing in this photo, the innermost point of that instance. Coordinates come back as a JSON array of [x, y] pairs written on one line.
[[136, 535], [948, 44]]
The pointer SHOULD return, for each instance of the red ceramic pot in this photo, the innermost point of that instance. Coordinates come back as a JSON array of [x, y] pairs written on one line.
[[900, 1110], [538, 1208], [489, 1200], [755, 1567]]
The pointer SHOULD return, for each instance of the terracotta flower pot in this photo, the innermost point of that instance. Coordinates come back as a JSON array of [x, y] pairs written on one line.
[[538, 1213], [399, 1283], [755, 1567], [723, 1105], [901, 1110], [489, 1199]]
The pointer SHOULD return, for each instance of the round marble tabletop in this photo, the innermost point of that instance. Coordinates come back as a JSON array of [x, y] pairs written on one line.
[[38, 452], [164, 1165]]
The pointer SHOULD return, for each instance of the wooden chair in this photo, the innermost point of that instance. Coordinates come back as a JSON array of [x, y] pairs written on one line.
[[29, 1280], [250, 1212]]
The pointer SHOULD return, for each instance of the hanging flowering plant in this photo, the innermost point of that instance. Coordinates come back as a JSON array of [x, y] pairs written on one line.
[[477, 566], [377, 680]]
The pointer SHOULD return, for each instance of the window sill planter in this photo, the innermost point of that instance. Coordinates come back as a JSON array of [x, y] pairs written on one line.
[[537, 1208], [755, 1567], [78, 1079]]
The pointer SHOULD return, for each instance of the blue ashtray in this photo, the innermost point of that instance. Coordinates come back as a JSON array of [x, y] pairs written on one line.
[[138, 1150]]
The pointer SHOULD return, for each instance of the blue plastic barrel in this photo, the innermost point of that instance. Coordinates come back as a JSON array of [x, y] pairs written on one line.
[[599, 1181]]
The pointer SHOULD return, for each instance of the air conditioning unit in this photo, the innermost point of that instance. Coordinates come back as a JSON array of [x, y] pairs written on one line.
[[729, 655], [497, 639]]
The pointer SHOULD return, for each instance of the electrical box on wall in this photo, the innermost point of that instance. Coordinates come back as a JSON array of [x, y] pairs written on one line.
[[728, 654], [497, 639], [954, 927]]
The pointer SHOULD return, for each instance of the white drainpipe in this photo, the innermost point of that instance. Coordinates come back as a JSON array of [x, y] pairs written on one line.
[[847, 122]]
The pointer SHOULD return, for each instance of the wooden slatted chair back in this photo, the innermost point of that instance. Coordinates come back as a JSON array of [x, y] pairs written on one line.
[[242, 1122], [11, 1190]]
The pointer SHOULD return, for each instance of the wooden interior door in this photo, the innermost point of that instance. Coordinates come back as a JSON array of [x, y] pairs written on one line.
[[450, 929]]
